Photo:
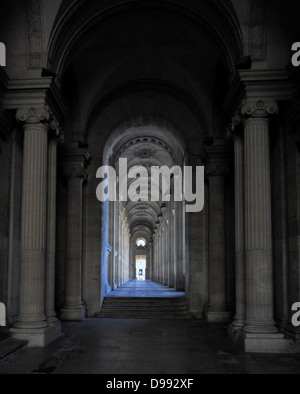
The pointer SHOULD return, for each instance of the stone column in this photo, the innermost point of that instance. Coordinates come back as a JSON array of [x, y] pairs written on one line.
[[164, 245], [239, 319], [159, 255], [155, 240], [216, 171], [32, 324], [111, 241], [75, 163], [172, 245], [259, 262], [51, 230], [179, 277], [117, 235]]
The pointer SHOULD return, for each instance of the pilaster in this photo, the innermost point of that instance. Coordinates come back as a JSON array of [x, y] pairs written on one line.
[[75, 161], [217, 168]]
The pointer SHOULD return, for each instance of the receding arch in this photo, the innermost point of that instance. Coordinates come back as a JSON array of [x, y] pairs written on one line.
[[77, 20]]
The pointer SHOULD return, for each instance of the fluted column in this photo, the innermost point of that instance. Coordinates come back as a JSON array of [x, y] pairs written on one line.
[[37, 122], [51, 230], [164, 245], [179, 277], [216, 171], [155, 243], [76, 161], [172, 245], [117, 235], [259, 262], [159, 260], [239, 319]]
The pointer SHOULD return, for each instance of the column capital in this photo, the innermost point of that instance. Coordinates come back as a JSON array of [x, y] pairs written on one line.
[[37, 115], [217, 159], [259, 108], [254, 108], [75, 161]]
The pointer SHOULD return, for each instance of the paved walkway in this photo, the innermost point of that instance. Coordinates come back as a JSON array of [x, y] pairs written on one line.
[[137, 288], [108, 346]]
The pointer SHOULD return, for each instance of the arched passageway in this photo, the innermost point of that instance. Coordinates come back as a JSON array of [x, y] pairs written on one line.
[[153, 83], [134, 149]]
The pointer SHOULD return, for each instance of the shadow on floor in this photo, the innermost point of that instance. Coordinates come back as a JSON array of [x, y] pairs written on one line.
[[112, 346]]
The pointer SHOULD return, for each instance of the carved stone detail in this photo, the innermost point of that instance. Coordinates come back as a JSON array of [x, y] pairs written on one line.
[[38, 115], [75, 173], [33, 16], [76, 160], [145, 153], [257, 33], [251, 109], [259, 109]]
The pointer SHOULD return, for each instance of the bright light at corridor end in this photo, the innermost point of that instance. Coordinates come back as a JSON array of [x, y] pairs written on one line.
[[138, 190]]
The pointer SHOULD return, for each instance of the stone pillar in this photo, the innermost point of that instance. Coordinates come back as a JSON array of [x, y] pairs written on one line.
[[179, 277], [172, 245], [51, 231], [164, 246], [75, 163], [259, 262], [111, 241], [159, 255], [149, 268], [117, 235], [155, 240], [216, 171], [239, 319], [32, 324]]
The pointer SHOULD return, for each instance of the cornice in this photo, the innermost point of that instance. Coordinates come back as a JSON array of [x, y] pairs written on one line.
[[35, 93], [258, 85]]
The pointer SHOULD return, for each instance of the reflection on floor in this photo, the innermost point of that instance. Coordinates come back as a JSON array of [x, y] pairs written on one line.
[[137, 288]]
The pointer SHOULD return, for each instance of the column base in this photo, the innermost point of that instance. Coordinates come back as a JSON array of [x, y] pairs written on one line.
[[292, 332], [72, 314], [92, 312], [107, 288], [37, 337], [263, 343], [52, 321], [197, 314], [218, 317]]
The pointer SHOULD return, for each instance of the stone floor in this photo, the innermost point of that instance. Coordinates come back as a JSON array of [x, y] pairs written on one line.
[[125, 346], [136, 288], [109, 346]]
